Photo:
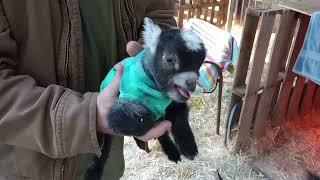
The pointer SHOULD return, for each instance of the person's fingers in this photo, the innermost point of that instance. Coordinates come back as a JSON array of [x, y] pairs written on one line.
[[156, 131], [113, 87], [134, 48]]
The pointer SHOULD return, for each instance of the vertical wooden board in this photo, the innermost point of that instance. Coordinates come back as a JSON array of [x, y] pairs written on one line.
[[248, 35], [279, 53], [316, 97], [285, 92], [199, 8], [253, 86], [307, 102], [244, 7], [236, 11], [224, 14], [247, 41], [218, 17], [181, 13], [205, 15], [212, 12], [295, 100], [190, 9]]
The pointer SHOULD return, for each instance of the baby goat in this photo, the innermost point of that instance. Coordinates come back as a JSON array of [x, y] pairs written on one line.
[[155, 85]]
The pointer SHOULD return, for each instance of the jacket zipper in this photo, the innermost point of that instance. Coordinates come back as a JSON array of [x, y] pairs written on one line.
[[67, 57], [66, 61], [62, 168], [65, 72]]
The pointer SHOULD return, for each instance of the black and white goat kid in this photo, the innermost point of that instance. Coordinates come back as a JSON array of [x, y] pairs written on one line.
[[172, 59]]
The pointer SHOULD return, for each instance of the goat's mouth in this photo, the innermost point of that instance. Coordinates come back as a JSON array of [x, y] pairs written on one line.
[[183, 92]]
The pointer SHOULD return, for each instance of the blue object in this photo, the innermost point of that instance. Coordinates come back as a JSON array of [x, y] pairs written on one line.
[[137, 86], [308, 62]]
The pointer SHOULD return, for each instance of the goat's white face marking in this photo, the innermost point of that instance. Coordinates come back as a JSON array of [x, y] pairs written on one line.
[[180, 79], [192, 40], [151, 35]]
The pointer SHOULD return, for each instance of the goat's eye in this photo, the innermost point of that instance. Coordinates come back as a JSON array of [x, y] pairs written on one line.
[[169, 60]]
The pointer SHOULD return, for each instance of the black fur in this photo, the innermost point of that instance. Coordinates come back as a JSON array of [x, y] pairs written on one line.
[[178, 113], [128, 117], [169, 148], [95, 171]]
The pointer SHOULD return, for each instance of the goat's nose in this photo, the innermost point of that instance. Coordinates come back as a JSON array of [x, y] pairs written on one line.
[[191, 84]]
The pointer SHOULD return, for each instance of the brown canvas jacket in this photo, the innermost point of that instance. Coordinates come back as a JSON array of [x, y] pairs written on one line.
[[46, 118]]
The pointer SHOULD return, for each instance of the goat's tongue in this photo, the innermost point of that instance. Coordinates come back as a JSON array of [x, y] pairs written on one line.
[[183, 92]]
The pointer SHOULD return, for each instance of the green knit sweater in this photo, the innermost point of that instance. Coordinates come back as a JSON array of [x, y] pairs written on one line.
[[137, 86]]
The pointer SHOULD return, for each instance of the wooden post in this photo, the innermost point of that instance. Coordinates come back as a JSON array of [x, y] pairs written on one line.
[[231, 11], [296, 98], [244, 6], [307, 102], [316, 97], [190, 9], [181, 13], [281, 107], [251, 95], [248, 35], [212, 12], [279, 53], [199, 8]]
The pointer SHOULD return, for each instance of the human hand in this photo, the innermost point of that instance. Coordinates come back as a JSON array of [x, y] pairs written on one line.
[[106, 98], [134, 48]]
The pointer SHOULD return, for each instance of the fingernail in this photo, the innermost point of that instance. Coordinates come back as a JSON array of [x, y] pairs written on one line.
[[118, 67]]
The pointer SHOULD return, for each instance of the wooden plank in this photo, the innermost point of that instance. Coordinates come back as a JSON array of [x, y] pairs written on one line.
[[316, 97], [248, 35], [296, 97], [181, 13], [199, 9], [306, 7], [279, 54], [212, 14], [307, 102], [224, 12], [231, 12], [244, 7], [286, 88], [218, 16], [205, 15], [190, 10], [251, 96], [241, 90]]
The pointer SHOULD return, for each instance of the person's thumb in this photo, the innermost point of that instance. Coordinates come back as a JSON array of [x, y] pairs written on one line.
[[113, 88], [134, 48]]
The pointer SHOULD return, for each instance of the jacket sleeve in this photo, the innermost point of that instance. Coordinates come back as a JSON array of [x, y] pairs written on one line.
[[162, 12], [55, 121]]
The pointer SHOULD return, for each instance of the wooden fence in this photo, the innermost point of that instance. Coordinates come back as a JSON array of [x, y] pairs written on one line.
[[213, 11], [273, 93]]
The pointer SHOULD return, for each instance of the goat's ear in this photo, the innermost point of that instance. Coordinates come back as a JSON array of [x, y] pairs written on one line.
[[151, 34], [192, 39]]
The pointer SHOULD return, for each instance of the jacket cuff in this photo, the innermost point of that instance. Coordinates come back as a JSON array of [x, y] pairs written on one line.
[[76, 125], [93, 125]]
